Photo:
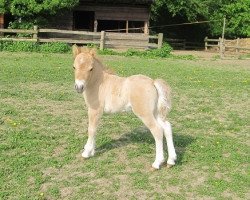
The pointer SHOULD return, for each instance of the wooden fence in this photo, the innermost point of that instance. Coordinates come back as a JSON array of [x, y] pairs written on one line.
[[238, 45], [183, 44], [101, 39]]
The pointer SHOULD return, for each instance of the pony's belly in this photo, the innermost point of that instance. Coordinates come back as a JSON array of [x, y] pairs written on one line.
[[113, 107]]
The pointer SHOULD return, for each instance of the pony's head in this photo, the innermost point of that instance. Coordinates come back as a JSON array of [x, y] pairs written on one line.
[[83, 66]]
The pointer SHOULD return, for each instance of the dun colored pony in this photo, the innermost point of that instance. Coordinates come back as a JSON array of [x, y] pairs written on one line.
[[104, 92]]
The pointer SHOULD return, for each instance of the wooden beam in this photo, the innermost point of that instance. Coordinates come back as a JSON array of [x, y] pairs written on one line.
[[160, 40], [127, 26], [146, 27], [95, 25], [67, 32], [102, 41], [1, 21], [36, 32], [17, 31]]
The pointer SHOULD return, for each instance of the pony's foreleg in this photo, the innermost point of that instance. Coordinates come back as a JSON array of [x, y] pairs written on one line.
[[169, 137], [89, 148]]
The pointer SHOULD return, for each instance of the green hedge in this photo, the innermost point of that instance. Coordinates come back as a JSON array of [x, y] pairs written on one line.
[[63, 48], [56, 47], [164, 52]]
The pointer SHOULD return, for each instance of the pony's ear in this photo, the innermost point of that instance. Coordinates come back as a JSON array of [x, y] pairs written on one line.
[[76, 50]]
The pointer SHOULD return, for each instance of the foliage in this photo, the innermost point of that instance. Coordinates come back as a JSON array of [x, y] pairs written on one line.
[[164, 52], [33, 12], [19, 46], [26, 23], [2, 6], [59, 47], [237, 13], [187, 9], [31, 8], [56, 47]]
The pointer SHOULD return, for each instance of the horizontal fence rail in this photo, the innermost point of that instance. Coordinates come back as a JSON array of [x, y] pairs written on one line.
[[101, 39], [183, 44], [236, 45]]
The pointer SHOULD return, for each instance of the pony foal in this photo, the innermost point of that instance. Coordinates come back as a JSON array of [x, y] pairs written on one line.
[[104, 92]]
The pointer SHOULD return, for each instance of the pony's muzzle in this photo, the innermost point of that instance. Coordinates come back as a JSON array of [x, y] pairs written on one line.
[[79, 86]]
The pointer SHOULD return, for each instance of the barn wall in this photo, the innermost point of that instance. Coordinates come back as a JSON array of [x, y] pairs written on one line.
[[126, 13], [1, 21], [118, 12], [63, 20]]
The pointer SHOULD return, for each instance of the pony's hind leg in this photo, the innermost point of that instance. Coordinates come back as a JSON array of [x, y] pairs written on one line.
[[169, 137], [89, 148], [157, 133]]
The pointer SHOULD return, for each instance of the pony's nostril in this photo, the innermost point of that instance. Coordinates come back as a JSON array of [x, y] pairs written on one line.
[[79, 85], [79, 88]]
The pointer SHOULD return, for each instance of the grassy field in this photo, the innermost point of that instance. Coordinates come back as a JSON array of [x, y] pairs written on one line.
[[43, 126]]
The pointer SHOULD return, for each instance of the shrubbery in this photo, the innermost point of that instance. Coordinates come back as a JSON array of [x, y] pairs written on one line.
[[34, 47], [164, 52], [64, 48], [57, 47]]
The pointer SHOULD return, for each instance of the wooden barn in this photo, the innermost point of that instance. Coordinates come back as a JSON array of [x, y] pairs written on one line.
[[1, 21], [97, 15]]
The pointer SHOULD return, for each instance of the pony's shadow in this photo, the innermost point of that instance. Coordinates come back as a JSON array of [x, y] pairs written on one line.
[[143, 135]]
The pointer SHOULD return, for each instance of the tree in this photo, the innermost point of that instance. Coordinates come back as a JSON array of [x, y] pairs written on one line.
[[34, 11], [2, 6], [237, 13]]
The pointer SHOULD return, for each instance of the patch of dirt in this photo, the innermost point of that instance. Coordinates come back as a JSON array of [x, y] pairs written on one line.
[[200, 54], [58, 150], [123, 192], [66, 192], [229, 195], [205, 58]]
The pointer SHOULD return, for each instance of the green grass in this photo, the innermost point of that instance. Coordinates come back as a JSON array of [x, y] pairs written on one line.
[[43, 125]]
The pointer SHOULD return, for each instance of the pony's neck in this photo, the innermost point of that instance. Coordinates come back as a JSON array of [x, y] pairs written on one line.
[[97, 74]]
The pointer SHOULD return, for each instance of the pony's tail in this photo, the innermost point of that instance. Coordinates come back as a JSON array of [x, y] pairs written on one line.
[[164, 98]]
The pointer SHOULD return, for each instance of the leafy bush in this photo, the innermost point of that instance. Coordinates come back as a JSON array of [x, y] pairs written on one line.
[[56, 47], [34, 47], [19, 46], [164, 52], [109, 52]]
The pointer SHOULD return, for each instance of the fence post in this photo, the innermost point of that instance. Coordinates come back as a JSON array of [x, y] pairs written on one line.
[[102, 41], [222, 47], [237, 45], [219, 44], [36, 33], [205, 40], [160, 39]]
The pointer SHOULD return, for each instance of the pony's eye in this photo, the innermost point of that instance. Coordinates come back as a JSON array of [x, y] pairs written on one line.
[[74, 67], [91, 69]]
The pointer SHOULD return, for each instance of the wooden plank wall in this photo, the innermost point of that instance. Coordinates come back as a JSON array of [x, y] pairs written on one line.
[[63, 20], [117, 12], [1, 21], [126, 41]]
